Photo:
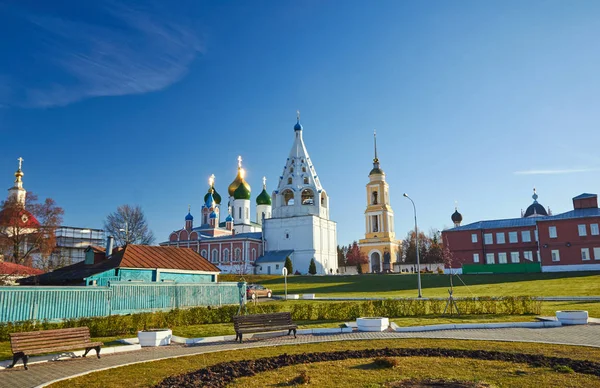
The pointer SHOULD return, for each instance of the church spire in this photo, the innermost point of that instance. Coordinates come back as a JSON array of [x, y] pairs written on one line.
[[376, 169], [17, 192]]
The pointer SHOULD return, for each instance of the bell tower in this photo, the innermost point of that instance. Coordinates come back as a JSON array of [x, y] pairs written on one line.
[[380, 244]]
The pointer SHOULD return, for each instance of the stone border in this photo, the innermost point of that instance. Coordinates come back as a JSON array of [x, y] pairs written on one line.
[[203, 340], [57, 356], [459, 326]]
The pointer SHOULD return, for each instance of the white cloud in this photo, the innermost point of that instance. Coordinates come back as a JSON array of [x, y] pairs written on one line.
[[555, 171], [134, 51]]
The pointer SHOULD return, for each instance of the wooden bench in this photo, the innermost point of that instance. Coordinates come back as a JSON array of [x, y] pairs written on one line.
[[259, 323], [48, 341]]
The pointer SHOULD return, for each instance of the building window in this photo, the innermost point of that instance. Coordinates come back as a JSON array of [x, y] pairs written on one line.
[[240, 212], [585, 253], [475, 257], [375, 224], [502, 258], [535, 233], [488, 238], [308, 197], [226, 255], [474, 237], [291, 169], [596, 253], [215, 256], [526, 236], [582, 230], [489, 258], [594, 229], [555, 255], [374, 198], [514, 257], [203, 253], [513, 237], [276, 266], [528, 256], [303, 169], [500, 238], [253, 254], [238, 254], [289, 180], [552, 232], [305, 180]]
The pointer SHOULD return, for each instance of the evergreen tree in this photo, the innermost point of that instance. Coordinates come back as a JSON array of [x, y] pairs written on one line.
[[288, 265], [312, 268]]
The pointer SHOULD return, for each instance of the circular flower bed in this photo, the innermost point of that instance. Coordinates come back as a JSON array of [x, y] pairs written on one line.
[[222, 374]]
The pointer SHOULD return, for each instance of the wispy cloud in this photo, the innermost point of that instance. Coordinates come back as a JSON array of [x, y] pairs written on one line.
[[555, 171], [132, 51]]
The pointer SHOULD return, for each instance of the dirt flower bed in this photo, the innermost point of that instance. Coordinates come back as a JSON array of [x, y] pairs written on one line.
[[222, 374]]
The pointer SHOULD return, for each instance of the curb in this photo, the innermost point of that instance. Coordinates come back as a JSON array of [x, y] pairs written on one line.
[[57, 356], [459, 326], [204, 340]]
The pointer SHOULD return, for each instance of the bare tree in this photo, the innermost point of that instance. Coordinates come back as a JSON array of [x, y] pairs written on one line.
[[128, 225], [28, 229]]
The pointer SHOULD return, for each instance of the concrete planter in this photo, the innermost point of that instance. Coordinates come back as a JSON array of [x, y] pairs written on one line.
[[572, 317], [155, 337], [372, 324], [308, 296]]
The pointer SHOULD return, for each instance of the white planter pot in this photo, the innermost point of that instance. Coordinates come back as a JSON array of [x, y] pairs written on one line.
[[293, 296], [572, 317], [308, 296], [372, 324], [155, 337]]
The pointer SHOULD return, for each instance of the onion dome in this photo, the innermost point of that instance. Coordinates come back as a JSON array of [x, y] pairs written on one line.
[[209, 200], [213, 215], [264, 198], [239, 179], [215, 195], [229, 218], [242, 191], [456, 216], [535, 209], [189, 216], [298, 126]]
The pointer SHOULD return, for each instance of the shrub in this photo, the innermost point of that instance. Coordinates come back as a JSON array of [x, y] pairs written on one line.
[[385, 362], [289, 266], [312, 267]]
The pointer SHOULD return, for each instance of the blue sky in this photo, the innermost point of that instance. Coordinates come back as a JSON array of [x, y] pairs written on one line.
[[139, 103]]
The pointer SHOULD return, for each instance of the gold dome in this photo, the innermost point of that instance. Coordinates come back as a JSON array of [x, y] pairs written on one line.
[[239, 179]]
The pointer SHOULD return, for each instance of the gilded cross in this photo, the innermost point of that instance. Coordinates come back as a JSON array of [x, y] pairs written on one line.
[[20, 162], [239, 159], [211, 180]]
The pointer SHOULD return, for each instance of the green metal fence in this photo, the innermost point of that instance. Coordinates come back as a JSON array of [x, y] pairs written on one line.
[[501, 268], [56, 303]]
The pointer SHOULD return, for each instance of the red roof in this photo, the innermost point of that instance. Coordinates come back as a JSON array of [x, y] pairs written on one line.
[[146, 256], [18, 269]]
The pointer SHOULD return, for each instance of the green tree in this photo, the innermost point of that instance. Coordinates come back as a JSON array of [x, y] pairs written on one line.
[[312, 268], [289, 266]]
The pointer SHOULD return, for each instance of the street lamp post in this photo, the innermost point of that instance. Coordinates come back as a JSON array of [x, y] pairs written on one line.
[[416, 246]]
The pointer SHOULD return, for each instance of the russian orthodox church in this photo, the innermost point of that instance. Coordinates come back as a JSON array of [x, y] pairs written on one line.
[[293, 223], [15, 215], [380, 244]]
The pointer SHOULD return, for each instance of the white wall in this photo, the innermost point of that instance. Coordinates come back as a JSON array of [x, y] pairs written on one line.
[[571, 267]]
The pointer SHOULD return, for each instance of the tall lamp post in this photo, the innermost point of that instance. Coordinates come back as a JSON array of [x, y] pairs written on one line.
[[416, 246]]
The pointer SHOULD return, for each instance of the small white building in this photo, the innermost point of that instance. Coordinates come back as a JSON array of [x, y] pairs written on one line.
[[300, 215]]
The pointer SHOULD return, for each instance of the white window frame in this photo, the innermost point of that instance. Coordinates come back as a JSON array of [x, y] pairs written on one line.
[[204, 253], [585, 254], [597, 253], [594, 230], [555, 253], [476, 257], [489, 258], [473, 237], [502, 259], [500, 238], [513, 237], [552, 232], [488, 238], [528, 255], [582, 230], [514, 257], [525, 236]]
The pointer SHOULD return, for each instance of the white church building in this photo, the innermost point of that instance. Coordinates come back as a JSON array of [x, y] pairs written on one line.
[[293, 223]]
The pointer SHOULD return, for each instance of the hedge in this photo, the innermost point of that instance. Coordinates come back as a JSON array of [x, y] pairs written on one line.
[[338, 311]]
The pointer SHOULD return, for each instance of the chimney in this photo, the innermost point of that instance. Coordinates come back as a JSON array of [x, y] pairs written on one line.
[[109, 246]]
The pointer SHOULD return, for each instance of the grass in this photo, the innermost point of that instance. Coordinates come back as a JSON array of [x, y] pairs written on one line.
[[149, 374], [434, 285], [362, 371]]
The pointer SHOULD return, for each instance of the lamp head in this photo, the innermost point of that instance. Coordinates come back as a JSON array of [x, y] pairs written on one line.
[[405, 195]]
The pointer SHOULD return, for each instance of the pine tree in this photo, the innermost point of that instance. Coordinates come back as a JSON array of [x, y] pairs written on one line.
[[312, 268], [288, 265]]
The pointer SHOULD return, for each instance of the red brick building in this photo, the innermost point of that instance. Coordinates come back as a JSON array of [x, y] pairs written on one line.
[[564, 242]]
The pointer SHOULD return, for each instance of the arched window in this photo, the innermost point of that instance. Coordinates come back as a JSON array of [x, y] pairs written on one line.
[[288, 197], [215, 256], [308, 197], [323, 199], [289, 180], [238, 254], [203, 253], [225, 255], [291, 169], [253, 254], [374, 197], [263, 216], [240, 213], [303, 169], [305, 180]]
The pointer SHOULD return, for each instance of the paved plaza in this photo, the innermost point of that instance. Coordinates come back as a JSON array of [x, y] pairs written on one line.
[[40, 374]]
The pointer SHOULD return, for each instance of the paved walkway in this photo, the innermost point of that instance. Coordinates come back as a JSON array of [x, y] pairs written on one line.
[[50, 371]]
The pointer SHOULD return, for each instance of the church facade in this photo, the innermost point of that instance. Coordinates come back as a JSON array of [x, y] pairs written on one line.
[[293, 222], [379, 245]]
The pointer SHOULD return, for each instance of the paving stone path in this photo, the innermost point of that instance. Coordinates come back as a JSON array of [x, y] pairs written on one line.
[[39, 374]]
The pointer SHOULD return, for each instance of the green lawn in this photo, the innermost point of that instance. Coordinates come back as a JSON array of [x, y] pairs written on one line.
[[434, 285]]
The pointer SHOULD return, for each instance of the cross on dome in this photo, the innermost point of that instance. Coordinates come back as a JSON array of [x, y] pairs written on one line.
[[239, 159], [20, 159], [264, 181], [211, 180]]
